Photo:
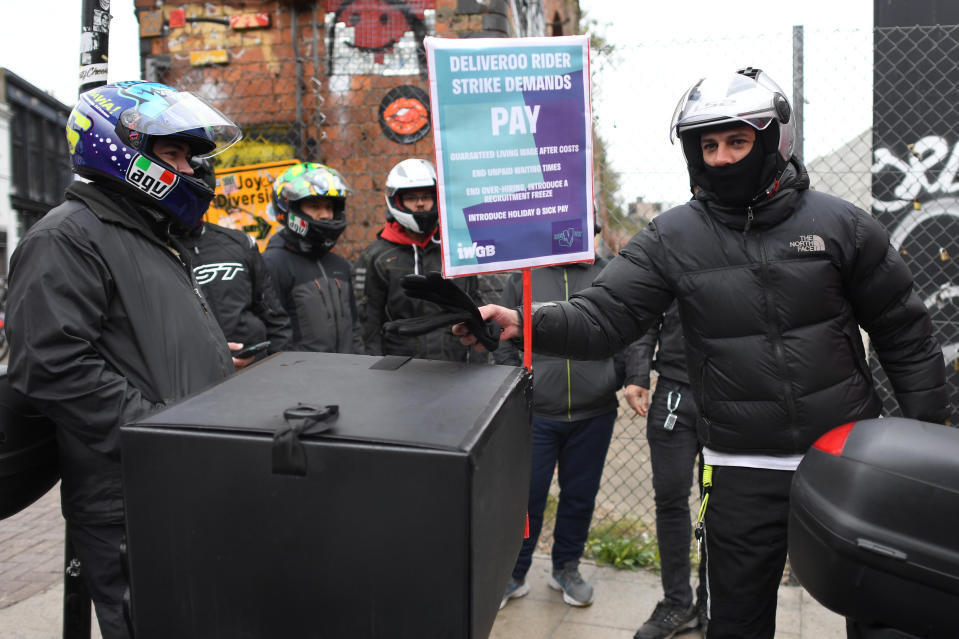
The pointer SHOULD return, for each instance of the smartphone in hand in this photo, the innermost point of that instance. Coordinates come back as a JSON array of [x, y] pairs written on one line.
[[250, 351]]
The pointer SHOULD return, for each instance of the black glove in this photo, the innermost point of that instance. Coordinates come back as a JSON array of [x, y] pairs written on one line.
[[457, 306]]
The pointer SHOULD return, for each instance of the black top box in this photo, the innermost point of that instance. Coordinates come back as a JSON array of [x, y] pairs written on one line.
[[874, 510], [400, 515]]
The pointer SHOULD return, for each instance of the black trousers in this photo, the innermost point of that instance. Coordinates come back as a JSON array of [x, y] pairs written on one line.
[[673, 455], [745, 533], [101, 568]]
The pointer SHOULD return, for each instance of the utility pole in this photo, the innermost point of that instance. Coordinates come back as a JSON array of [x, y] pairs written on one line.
[[94, 43], [94, 49]]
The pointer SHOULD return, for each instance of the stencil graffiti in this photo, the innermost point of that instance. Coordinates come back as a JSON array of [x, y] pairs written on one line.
[[383, 37]]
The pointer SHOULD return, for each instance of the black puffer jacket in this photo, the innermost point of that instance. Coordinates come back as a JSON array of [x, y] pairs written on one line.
[[563, 389], [771, 303], [670, 358], [106, 324], [231, 272], [378, 273], [317, 294]]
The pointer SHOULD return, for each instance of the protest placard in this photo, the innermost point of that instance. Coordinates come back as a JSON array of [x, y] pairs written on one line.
[[512, 129]]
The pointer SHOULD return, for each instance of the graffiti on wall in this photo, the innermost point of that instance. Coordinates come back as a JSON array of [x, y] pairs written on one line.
[[915, 173], [528, 18], [382, 37]]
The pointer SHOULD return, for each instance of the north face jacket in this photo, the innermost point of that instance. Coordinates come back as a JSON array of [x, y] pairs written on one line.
[[666, 340], [106, 325], [233, 277], [771, 300], [563, 389], [378, 272], [317, 294]]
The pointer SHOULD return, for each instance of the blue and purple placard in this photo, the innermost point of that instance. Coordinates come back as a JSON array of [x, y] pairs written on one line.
[[514, 149]]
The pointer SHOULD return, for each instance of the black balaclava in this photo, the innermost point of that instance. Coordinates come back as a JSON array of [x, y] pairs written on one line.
[[737, 184]]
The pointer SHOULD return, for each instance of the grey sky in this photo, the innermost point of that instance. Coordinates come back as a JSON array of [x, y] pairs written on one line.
[[40, 42], [662, 48]]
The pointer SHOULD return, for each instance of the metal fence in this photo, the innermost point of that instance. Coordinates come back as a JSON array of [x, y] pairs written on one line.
[[879, 116]]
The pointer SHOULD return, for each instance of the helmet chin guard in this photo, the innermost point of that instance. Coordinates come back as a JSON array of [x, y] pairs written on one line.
[[405, 176], [304, 181], [747, 97]]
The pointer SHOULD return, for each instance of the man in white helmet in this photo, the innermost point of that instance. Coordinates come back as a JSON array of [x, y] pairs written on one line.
[[407, 244], [773, 282]]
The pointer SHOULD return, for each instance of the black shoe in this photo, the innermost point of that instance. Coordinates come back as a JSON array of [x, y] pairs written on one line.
[[668, 620]]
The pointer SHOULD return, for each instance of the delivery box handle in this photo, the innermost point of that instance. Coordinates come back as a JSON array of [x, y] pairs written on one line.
[[289, 455]]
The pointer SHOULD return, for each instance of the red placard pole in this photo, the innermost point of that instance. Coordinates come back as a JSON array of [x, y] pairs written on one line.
[[528, 318]]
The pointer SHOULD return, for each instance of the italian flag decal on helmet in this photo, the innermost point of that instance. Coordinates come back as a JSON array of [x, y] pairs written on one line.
[[151, 178]]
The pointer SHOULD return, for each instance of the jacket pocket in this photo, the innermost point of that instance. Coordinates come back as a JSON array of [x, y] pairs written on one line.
[[858, 353]]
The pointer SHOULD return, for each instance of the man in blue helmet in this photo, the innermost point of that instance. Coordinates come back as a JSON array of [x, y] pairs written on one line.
[[773, 281], [105, 320]]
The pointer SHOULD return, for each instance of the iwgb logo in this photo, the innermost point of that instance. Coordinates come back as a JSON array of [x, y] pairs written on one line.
[[151, 178]]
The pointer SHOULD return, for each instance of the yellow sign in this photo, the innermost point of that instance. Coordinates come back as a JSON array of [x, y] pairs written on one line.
[[243, 194], [203, 58]]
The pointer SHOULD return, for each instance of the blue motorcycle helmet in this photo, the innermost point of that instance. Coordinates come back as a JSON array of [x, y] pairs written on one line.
[[111, 133]]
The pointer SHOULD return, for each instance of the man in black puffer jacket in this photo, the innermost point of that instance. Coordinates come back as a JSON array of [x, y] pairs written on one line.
[[773, 282]]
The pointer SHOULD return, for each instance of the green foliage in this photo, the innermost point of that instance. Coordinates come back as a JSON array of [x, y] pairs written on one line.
[[628, 544], [624, 544]]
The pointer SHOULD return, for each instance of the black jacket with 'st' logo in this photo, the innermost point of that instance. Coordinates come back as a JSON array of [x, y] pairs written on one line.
[[232, 275], [771, 301]]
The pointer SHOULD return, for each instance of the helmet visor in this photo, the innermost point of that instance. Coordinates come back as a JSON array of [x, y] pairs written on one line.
[[185, 114], [727, 98]]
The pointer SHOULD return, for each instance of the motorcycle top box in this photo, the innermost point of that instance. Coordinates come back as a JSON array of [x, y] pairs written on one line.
[[874, 515], [337, 496]]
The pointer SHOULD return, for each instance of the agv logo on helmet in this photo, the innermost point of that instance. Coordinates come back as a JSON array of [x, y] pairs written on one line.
[[151, 178]]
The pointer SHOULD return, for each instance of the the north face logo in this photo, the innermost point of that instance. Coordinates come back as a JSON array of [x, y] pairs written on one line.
[[809, 244]]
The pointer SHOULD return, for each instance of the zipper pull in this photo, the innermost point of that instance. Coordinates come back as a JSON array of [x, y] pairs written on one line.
[[199, 296], [749, 219]]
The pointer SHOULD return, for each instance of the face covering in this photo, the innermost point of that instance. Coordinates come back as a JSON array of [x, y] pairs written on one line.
[[737, 184]]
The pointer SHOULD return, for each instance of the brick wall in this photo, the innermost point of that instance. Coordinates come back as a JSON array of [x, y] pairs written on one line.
[[276, 84]]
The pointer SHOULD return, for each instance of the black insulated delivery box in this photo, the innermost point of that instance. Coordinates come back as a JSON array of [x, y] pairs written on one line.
[[874, 524], [402, 519]]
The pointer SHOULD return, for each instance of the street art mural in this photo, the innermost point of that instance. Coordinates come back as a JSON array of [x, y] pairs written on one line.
[[383, 37], [915, 171]]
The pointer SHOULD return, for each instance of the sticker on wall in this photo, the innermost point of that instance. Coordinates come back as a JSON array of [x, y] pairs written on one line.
[[405, 114], [382, 37]]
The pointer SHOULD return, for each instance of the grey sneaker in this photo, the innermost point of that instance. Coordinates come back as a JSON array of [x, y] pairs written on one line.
[[668, 620], [576, 592], [515, 588]]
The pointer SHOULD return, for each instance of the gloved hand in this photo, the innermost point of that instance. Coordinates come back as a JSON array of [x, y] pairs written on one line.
[[457, 305]]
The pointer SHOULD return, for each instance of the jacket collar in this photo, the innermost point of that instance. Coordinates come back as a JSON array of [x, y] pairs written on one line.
[[113, 207], [768, 211], [396, 233]]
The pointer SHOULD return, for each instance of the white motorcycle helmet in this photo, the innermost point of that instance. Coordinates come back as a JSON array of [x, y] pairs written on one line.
[[748, 96], [411, 174]]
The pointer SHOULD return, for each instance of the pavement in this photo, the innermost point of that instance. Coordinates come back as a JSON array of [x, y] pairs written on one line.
[[31, 593]]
